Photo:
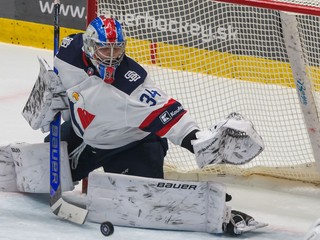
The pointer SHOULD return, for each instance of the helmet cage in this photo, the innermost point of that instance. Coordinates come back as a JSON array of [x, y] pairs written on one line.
[[108, 54]]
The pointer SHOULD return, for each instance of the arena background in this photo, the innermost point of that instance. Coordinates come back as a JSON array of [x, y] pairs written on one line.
[[213, 33], [29, 22]]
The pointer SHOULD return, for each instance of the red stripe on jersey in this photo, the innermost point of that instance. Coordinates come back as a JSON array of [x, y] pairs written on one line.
[[152, 116], [168, 126], [110, 28]]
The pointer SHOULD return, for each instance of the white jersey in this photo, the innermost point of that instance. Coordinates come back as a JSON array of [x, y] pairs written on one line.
[[109, 116]]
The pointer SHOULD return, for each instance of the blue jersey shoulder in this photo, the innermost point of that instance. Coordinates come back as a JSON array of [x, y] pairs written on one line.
[[71, 50], [129, 75]]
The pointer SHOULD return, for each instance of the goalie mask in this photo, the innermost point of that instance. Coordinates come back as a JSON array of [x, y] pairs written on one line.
[[104, 43]]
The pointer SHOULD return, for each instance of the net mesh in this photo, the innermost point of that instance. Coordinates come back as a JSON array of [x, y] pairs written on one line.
[[218, 58]]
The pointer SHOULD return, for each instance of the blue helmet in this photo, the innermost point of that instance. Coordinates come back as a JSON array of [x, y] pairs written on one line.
[[104, 43]]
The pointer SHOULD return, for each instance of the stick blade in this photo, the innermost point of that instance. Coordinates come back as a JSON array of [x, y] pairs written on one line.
[[69, 212]]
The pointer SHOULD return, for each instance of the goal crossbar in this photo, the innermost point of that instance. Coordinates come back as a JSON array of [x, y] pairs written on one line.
[[278, 5]]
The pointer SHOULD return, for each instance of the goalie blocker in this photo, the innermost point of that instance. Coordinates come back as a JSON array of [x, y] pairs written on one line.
[[163, 204], [47, 98]]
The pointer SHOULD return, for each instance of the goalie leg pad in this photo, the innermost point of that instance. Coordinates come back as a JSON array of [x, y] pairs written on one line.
[[314, 231], [8, 182], [156, 203], [32, 166]]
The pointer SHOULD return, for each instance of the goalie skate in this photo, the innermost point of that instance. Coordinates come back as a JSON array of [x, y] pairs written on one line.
[[240, 223], [254, 226]]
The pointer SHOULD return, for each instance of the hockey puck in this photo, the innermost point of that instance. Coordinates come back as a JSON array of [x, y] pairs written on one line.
[[106, 228]]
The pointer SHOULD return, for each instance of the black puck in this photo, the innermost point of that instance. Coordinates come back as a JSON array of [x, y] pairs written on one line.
[[106, 228]]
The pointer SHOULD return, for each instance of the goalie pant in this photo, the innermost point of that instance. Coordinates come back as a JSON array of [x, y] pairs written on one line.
[[26, 168], [156, 203]]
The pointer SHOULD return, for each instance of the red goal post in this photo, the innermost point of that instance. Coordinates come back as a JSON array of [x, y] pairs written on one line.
[[91, 10], [248, 56]]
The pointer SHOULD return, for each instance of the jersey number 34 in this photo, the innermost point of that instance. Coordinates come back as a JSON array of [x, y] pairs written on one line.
[[149, 97]]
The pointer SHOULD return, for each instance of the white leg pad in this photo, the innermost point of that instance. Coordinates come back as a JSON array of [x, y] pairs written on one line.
[[314, 231], [156, 203], [8, 178], [32, 166]]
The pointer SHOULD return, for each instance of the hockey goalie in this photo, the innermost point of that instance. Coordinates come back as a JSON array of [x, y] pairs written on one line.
[[117, 118]]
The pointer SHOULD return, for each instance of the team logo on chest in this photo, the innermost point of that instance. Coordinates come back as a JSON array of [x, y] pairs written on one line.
[[84, 116]]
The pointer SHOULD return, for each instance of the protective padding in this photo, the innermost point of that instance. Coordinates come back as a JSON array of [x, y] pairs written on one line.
[[8, 178], [46, 99], [32, 166], [156, 203]]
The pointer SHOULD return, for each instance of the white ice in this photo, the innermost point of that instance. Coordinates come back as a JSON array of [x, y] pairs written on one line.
[[28, 216]]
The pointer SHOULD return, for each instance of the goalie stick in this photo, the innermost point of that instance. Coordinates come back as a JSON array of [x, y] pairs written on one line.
[[60, 207]]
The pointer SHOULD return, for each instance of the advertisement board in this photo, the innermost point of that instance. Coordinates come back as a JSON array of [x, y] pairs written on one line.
[[72, 13], [198, 23]]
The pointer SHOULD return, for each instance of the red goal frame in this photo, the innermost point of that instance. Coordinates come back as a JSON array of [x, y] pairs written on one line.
[[277, 5], [92, 9], [269, 4]]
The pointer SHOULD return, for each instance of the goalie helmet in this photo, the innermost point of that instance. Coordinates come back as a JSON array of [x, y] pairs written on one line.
[[104, 44]]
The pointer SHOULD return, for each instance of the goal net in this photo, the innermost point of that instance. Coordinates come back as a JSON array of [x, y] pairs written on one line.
[[217, 58]]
